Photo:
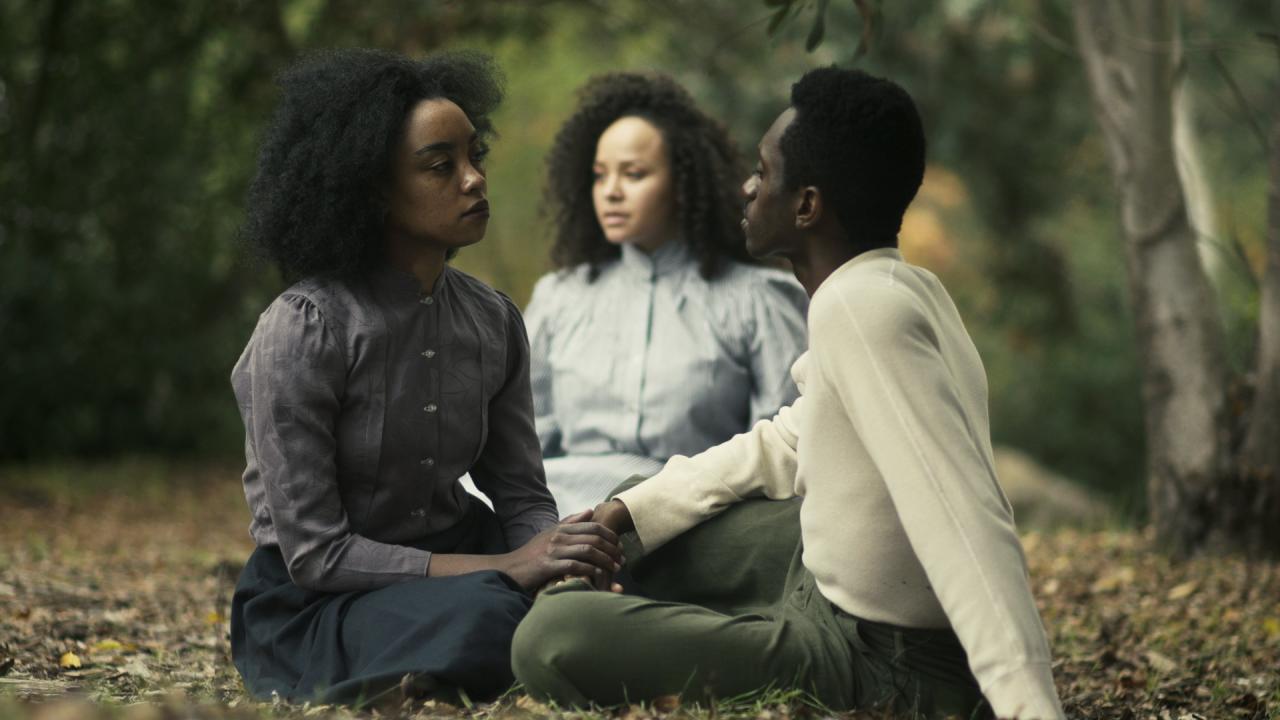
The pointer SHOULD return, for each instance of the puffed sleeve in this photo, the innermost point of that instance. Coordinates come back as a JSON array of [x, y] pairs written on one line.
[[538, 318], [290, 384], [778, 337], [509, 470]]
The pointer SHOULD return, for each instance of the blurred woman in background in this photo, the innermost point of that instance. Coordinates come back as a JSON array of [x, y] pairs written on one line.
[[372, 384], [657, 335]]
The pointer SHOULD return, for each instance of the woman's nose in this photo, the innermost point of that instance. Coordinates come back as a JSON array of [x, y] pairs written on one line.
[[473, 180], [613, 188]]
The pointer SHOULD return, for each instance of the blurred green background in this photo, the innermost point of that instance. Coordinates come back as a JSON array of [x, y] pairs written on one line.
[[128, 134]]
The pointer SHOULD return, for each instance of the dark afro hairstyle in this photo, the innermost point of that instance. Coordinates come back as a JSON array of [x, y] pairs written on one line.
[[316, 205], [703, 161], [859, 140]]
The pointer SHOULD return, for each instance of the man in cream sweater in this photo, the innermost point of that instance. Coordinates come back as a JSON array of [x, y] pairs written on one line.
[[912, 593]]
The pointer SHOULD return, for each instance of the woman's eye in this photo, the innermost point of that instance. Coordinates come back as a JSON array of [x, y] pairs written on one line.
[[441, 167], [636, 175]]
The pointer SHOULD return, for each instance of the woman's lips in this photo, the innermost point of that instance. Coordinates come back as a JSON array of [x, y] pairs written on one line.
[[480, 209], [614, 219]]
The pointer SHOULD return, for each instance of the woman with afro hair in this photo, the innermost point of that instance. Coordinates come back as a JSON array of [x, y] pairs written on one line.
[[657, 335], [374, 382]]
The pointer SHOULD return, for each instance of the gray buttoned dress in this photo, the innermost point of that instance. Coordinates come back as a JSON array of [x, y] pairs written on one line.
[[363, 401]]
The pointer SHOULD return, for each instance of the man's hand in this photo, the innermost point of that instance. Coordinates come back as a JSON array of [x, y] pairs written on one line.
[[574, 548], [614, 515]]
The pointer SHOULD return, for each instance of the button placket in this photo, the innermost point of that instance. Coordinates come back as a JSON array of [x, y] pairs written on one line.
[[429, 337]]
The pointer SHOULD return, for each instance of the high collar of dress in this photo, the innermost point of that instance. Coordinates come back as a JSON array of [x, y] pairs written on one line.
[[397, 286], [668, 258]]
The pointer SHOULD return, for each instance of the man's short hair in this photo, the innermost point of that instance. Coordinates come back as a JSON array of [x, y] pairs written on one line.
[[859, 140]]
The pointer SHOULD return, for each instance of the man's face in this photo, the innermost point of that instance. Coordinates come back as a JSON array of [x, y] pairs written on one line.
[[768, 218]]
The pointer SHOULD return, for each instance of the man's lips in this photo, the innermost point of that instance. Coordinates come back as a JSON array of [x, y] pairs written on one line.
[[480, 208]]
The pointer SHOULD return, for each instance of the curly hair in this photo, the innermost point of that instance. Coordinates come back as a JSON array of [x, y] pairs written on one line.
[[859, 139], [703, 160], [315, 206]]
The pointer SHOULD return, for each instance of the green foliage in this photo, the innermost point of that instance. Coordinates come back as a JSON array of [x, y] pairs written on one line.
[[115, 209], [1006, 108], [128, 133]]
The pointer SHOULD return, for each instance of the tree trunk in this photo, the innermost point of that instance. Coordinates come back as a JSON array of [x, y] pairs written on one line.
[[1196, 187], [1260, 455], [1132, 60]]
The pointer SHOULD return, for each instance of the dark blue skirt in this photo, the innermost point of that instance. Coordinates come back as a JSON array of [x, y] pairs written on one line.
[[452, 635]]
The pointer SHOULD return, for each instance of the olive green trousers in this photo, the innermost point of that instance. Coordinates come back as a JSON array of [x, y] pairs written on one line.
[[728, 610]]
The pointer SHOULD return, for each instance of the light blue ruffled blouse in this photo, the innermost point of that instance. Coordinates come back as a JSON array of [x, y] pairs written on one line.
[[651, 360]]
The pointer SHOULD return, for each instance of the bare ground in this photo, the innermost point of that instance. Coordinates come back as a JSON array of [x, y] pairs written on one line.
[[115, 582]]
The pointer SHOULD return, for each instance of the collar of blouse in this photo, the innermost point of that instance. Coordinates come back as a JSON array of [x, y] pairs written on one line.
[[399, 287], [670, 257]]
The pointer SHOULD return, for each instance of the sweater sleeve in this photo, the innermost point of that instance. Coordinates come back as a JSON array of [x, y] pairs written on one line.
[[689, 490], [885, 354]]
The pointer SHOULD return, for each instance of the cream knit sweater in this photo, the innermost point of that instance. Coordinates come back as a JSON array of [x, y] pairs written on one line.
[[889, 444]]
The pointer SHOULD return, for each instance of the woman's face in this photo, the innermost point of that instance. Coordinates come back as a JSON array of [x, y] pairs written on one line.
[[634, 189], [437, 192]]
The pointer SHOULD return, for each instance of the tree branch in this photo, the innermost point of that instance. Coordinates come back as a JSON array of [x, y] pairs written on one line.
[[1250, 116]]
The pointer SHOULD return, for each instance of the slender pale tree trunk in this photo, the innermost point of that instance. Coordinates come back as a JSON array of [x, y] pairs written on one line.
[[1131, 57], [1196, 188]]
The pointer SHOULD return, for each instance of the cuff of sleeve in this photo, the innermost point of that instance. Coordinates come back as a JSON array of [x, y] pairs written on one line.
[[652, 512], [1026, 693], [411, 562]]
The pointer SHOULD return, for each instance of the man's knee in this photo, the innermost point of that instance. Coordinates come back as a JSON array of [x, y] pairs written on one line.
[[560, 634]]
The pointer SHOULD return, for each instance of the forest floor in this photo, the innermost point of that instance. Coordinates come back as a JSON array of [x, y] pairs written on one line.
[[115, 584]]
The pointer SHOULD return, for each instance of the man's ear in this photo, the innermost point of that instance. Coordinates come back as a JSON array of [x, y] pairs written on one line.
[[809, 208]]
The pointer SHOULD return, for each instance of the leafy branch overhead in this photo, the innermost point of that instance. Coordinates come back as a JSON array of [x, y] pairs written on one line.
[[784, 9]]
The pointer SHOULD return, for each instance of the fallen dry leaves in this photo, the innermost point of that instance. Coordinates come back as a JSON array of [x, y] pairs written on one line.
[[1138, 636], [116, 595], [136, 587]]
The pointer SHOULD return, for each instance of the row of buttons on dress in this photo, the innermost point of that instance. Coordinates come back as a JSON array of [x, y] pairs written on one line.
[[429, 407], [428, 354]]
